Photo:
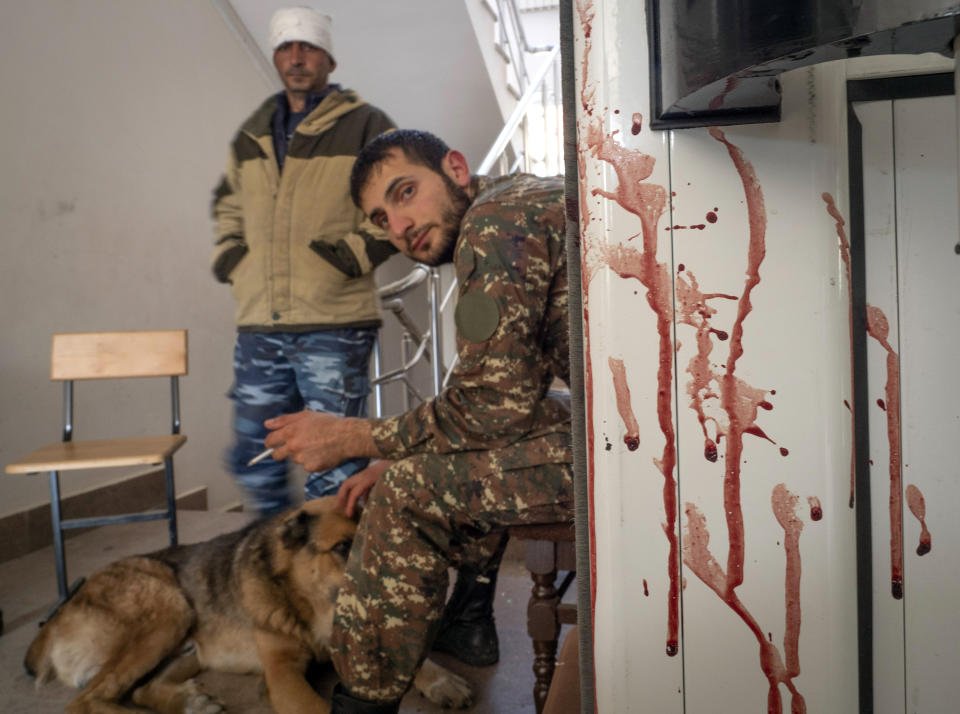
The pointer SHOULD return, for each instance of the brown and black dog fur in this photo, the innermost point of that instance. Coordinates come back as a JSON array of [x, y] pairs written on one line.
[[257, 600]]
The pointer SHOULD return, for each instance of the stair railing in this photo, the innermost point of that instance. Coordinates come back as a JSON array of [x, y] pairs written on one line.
[[391, 298]]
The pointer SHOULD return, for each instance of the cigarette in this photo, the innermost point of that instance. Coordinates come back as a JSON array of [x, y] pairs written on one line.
[[260, 457]]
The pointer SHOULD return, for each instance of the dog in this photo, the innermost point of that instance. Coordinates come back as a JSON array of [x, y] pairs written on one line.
[[260, 599]]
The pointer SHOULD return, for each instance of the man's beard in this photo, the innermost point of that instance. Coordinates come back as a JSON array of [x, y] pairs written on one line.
[[451, 219]]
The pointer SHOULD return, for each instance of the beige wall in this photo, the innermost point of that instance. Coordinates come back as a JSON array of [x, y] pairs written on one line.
[[115, 119]]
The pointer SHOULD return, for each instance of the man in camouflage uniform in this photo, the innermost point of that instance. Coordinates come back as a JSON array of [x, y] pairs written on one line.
[[490, 451]]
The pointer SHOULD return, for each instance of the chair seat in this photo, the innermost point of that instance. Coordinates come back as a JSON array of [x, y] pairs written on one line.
[[72, 455]]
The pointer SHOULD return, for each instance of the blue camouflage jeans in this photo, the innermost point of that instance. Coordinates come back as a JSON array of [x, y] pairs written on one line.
[[283, 372]]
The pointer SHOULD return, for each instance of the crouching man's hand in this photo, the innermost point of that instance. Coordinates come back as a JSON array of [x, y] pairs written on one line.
[[358, 486], [319, 441]]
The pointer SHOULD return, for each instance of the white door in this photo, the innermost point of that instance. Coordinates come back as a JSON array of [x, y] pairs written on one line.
[[913, 290]]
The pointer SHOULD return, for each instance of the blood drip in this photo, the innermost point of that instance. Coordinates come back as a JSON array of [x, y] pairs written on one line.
[[647, 201], [624, 407], [879, 329], [816, 510], [696, 556], [918, 508]]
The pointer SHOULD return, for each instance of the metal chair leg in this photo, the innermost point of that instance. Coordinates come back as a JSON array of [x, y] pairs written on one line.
[[61, 560], [171, 500]]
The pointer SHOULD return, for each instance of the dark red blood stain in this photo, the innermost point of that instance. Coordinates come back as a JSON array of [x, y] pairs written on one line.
[[784, 452], [738, 399], [646, 590], [637, 124], [698, 226], [918, 508], [711, 217], [844, 245], [765, 405], [879, 329], [680, 268], [721, 334], [871, 462], [881, 404], [710, 451], [677, 228], [616, 111], [624, 407], [696, 556], [757, 431], [896, 589], [816, 510], [648, 201]]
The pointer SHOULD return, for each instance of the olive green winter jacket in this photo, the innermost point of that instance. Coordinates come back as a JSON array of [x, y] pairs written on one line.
[[298, 253]]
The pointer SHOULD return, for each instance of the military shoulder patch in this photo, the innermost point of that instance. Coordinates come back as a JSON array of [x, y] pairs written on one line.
[[477, 316]]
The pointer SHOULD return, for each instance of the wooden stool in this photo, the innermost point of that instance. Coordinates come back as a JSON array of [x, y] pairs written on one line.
[[548, 548]]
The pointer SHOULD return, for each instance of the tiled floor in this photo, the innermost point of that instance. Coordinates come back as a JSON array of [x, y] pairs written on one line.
[[28, 589]]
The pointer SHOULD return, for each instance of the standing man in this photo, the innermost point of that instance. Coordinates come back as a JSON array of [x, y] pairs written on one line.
[[490, 451], [299, 256]]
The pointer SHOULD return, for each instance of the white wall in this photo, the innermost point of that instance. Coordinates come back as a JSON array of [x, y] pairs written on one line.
[[116, 121]]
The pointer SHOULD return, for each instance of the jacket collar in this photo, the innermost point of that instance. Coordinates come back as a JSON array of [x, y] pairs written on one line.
[[334, 105]]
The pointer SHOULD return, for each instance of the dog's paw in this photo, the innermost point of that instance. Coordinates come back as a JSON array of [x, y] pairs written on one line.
[[196, 701], [201, 703], [443, 687]]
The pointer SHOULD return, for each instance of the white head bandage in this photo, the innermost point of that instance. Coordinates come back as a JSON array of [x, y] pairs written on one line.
[[301, 24]]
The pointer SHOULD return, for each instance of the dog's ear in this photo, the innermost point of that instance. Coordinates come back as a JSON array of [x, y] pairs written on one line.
[[296, 531]]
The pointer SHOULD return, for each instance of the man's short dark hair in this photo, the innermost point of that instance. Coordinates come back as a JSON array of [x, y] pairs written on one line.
[[420, 147]]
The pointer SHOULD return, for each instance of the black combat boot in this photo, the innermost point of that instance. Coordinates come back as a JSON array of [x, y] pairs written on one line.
[[467, 630], [344, 703]]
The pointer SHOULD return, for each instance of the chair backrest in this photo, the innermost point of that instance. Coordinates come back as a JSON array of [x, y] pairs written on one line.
[[108, 355]]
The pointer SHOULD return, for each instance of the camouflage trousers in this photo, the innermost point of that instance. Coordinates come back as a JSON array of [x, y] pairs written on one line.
[[283, 372], [427, 513]]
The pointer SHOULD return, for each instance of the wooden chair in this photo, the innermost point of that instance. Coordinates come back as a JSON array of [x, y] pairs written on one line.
[[109, 355], [548, 549]]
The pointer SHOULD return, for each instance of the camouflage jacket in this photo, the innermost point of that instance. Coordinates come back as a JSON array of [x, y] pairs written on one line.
[[512, 332]]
